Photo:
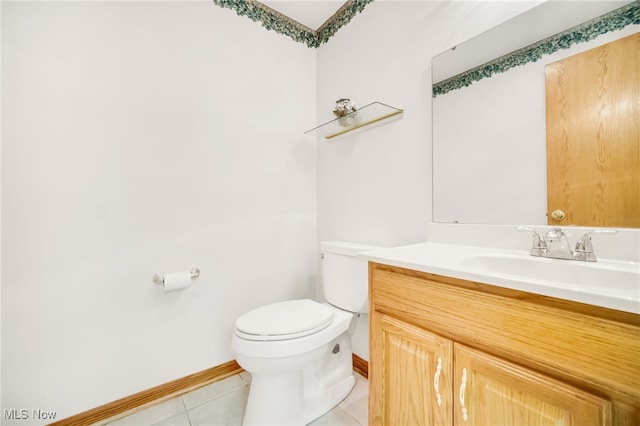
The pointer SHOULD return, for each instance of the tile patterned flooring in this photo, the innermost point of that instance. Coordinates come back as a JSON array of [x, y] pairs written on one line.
[[223, 403]]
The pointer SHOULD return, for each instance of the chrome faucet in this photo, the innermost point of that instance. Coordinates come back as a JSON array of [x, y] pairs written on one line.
[[555, 244]]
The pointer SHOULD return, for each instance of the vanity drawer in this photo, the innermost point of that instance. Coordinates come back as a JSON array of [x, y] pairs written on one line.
[[586, 350]]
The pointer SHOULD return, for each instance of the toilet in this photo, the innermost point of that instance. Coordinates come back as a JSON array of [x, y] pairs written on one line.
[[299, 351]]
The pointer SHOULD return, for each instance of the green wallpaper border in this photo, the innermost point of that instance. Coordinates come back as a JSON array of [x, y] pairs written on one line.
[[612, 21], [275, 21]]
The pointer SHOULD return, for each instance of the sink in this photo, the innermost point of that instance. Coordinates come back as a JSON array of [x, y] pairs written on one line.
[[620, 278], [607, 283]]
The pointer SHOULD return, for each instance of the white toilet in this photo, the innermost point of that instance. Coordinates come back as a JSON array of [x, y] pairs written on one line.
[[299, 351]]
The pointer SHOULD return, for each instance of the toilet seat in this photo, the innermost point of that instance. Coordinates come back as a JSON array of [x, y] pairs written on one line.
[[284, 320]]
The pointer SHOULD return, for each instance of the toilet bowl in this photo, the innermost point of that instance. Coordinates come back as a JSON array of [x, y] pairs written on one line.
[[295, 379], [299, 351]]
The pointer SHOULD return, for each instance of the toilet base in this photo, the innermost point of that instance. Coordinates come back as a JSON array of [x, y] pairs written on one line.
[[287, 408], [300, 396], [334, 396]]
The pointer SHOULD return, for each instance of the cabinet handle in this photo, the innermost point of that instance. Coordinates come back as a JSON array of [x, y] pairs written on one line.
[[463, 386], [436, 381]]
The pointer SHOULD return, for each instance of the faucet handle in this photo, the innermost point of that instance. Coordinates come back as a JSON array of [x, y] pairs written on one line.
[[539, 246], [584, 247]]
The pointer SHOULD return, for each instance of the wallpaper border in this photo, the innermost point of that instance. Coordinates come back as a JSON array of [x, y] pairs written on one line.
[[275, 21], [612, 21]]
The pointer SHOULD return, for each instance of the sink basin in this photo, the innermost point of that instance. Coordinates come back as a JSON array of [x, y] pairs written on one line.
[[620, 278], [606, 283]]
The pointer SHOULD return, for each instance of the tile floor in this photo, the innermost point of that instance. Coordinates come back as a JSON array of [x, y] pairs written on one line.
[[223, 403]]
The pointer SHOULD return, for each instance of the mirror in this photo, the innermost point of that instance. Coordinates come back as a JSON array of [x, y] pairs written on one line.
[[489, 124]]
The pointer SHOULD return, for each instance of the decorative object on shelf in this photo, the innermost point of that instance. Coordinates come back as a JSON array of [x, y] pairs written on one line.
[[345, 110], [375, 113], [343, 107]]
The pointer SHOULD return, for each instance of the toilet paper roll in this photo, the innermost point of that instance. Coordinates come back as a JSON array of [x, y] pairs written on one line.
[[176, 281]]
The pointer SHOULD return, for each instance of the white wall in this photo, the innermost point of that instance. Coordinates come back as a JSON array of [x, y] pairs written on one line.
[[375, 187], [142, 137]]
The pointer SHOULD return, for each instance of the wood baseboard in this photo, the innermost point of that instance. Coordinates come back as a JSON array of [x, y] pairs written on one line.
[[152, 396], [361, 366], [170, 390]]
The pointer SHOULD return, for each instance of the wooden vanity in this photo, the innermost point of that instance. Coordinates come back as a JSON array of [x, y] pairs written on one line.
[[446, 351]]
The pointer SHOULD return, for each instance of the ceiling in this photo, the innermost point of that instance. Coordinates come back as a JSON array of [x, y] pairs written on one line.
[[310, 13]]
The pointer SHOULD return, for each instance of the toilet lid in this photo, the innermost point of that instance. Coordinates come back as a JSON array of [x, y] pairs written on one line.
[[284, 320]]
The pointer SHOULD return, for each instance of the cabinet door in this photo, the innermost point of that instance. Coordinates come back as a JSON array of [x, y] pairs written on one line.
[[491, 391], [410, 375]]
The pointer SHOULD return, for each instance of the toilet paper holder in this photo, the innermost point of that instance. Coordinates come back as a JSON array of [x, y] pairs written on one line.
[[158, 277]]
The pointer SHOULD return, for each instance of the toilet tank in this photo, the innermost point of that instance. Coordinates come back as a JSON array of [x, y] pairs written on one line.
[[344, 276]]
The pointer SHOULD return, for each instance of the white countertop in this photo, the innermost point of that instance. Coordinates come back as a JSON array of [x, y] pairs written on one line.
[[609, 284]]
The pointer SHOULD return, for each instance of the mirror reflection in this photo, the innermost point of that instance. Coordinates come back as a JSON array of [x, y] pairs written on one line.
[[537, 121]]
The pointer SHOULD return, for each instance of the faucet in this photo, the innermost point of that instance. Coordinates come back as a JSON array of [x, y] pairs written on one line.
[[555, 244]]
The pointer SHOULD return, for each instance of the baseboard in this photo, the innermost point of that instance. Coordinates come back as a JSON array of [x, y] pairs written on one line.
[[361, 366], [152, 396], [171, 390]]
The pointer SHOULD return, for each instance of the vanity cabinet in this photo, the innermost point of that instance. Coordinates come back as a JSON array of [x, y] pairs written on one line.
[[451, 352]]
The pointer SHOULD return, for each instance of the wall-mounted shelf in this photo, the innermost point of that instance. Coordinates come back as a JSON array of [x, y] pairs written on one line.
[[369, 115]]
